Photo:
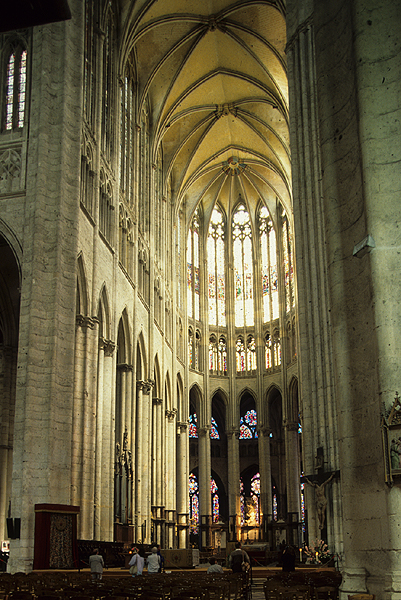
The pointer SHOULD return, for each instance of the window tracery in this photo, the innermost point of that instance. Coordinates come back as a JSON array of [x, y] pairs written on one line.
[[243, 267], [16, 81], [268, 253], [193, 281], [216, 269]]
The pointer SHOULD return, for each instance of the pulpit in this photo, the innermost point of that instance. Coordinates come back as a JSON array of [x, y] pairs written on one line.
[[55, 536]]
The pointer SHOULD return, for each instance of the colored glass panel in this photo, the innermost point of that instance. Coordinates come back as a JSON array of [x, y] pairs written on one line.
[[193, 422], [10, 92], [243, 267], [22, 90], [216, 269], [248, 425], [214, 432], [193, 504]]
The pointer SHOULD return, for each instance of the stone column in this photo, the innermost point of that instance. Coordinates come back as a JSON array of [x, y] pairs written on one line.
[[205, 503], [108, 450], [266, 501], [171, 479], [182, 485], [292, 467], [143, 483], [234, 501], [157, 461]]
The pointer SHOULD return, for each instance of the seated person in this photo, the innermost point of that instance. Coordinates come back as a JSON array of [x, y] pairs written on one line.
[[214, 567]]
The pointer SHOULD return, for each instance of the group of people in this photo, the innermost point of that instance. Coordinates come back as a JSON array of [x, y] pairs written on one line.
[[239, 562], [154, 562]]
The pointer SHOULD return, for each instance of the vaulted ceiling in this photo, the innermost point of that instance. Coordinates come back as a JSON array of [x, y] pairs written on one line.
[[213, 76]]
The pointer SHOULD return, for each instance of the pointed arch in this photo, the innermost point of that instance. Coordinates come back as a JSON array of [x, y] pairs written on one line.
[[141, 355], [103, 313], [167, 390], [82, 288], [157, 378], [181, 406]]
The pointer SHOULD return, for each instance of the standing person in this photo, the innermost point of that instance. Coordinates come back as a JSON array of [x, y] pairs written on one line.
[[214, 567], [159, 552], [237, 557], [96, 564], [138, 561], [153, 561]]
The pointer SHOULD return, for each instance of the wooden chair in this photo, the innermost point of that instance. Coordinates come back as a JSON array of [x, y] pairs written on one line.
[[326, 592]]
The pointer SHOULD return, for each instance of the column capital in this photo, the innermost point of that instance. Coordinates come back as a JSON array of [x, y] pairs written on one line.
[[170, 414], [181, 427], [124, 367], [86, 322], [204, 431], [107, 346], [145, 386], [263, 431], [233, 432]]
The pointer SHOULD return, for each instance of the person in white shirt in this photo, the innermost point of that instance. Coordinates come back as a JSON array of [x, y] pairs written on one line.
[[96, 564], [153, 561], [214, 567]]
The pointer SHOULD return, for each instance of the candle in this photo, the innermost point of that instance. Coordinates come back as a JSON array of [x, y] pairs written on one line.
[[317, 556], [300, 555]]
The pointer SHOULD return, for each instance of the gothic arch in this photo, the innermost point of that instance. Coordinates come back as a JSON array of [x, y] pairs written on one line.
[[82, 288], [104, 313], [141, 356], [156, 370], [293, 402], [14, 244], [124, 339], [182, 409], [168, 397]]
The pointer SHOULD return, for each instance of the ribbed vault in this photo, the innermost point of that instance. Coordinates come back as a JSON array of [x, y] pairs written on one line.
[[212, 73]]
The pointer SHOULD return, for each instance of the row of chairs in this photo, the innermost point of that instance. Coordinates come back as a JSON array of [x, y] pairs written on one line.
[[163, 586]]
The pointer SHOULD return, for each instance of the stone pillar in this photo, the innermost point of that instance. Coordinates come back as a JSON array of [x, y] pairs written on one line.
[[143, 483], [234, 500], [182, 485], [8, 363], [292, 471], [266, 501], [106, 509], [205, 503], [171, 480]]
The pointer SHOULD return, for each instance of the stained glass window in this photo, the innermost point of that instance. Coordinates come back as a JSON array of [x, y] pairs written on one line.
[[251, 353], [193, 426], [248, 425], [255, 493], [268, 351], [240, 355], [275, 512], [242, 501], [127, 138], [277, 349], [288, 264], [16, 90], [213, 353], [191, 361], [243, 267], [193, 281], [303, 506], [214, 432], [193, 504], [222, 355], [215, 500], [216, 270]]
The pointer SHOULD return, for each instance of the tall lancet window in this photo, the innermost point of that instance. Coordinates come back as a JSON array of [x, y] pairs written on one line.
[[16, 89], [268, 252], [193, 290], [216, 264], [127, 138], [243, 264], [288, 264]]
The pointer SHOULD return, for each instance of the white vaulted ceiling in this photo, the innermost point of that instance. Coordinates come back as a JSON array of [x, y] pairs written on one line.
[[213, 74]]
